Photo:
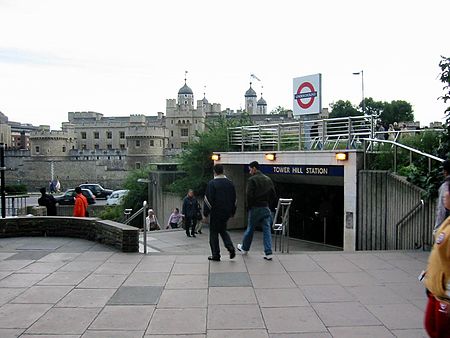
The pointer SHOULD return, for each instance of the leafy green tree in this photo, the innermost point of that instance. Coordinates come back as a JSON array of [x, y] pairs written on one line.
[[138, 193], [343, 108], [372, 107], [280, 110], [444, 64], [196, 157], [397, 111]]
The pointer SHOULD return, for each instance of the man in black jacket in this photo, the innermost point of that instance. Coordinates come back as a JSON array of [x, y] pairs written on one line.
[[261, 201], [220, 205], [47, 201]]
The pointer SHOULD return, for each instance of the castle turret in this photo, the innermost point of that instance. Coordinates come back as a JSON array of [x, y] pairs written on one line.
[[250, 100]]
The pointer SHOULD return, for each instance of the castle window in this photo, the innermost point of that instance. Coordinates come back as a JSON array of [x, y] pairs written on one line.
[[152, 143], [83, 146], [96, 135], [171, 133], [109, 134], [137, 165], [122, 134], [138, 143], [83, 135], [171, 121], [185, 102], [96, 146], [184, 132], [185, 95], [109, 146], [37, 149], [122, 146], [171, 145], [64, 149]]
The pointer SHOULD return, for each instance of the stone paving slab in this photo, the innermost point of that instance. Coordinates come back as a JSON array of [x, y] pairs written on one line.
[[229, 279], [136, 295], [82, 290]]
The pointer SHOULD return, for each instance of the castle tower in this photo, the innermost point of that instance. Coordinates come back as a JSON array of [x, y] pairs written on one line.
[[262, 105], [250, 100], [186, 97]]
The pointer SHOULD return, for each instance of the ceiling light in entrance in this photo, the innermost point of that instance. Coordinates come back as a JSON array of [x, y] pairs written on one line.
[[270, 157], [215, 157]]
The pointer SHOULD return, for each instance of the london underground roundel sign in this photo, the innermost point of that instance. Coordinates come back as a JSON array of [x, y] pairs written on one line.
[[307, 94]]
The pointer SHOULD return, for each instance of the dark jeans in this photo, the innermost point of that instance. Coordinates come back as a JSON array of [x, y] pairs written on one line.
[[219, 227], [190, 223], [173, 225]]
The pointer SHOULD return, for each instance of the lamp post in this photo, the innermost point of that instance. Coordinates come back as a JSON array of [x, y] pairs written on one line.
[[362, 89]]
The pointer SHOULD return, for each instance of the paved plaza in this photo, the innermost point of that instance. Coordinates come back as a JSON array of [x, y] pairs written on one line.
[[64, 287]]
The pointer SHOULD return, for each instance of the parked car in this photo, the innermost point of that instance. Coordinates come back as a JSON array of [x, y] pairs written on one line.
[[97, 190], [116, 197], [69, 197]]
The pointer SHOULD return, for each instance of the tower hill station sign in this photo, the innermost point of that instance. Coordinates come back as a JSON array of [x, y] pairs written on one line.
[[303, 170]]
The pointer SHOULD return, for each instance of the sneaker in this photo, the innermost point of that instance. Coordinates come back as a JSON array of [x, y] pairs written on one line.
[[268, 257], [239, 247], [232, 254]]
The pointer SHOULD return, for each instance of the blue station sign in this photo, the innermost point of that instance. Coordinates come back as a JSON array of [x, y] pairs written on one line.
[[308, 170]]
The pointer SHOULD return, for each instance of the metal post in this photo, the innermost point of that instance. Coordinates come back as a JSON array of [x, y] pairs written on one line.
[[242, 139], [2, 178], [324, 131], [324, 230], [144, 213], [259, 138], [365, 153], [300, 135], [395, 159], [362, 88], [349, 143], [429, 164], [410, 157], [279, 138]]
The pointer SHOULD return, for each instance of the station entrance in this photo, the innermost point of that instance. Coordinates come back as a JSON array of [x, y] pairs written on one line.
[[317, 211]]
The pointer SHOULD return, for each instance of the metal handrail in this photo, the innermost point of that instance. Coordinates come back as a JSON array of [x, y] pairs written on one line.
[[132, 217], [399, 224], [368, 143]]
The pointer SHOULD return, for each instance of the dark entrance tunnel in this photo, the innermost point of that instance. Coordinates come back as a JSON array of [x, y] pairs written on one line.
[[317, 210]]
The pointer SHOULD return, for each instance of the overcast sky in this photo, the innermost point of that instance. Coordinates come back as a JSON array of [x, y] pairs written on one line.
[[127, 57]]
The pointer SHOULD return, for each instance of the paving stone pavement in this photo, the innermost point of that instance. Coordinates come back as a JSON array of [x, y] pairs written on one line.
[[67, 288]]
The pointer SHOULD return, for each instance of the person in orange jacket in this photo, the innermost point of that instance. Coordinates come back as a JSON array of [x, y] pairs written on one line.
[[81, 204]]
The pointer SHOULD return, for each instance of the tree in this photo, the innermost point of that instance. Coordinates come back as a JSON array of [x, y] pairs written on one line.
[[280, 111], [196, 157], [397, 111], [373, 107], [343, 108], [444, 64]]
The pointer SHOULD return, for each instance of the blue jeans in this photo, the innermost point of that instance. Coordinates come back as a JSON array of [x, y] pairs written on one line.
[[263, 217]]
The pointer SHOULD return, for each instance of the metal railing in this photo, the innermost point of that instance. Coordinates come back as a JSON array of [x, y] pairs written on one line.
[[16, 205], [368, 146], [325, 134], [281, 230], [142, 210], [401, 223], [303, 135]]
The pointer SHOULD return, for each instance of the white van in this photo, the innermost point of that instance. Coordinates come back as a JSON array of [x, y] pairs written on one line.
[[116, 197]]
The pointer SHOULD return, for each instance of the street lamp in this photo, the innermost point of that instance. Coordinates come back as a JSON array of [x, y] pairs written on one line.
[[362, 89]]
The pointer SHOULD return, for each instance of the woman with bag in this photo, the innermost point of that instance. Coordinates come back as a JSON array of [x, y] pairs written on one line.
[[437, 281]]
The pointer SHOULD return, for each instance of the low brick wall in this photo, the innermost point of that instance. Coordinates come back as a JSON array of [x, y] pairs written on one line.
[[120, 236]]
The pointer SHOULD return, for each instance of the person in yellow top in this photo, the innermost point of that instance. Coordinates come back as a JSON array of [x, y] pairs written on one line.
[[437, 281]]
